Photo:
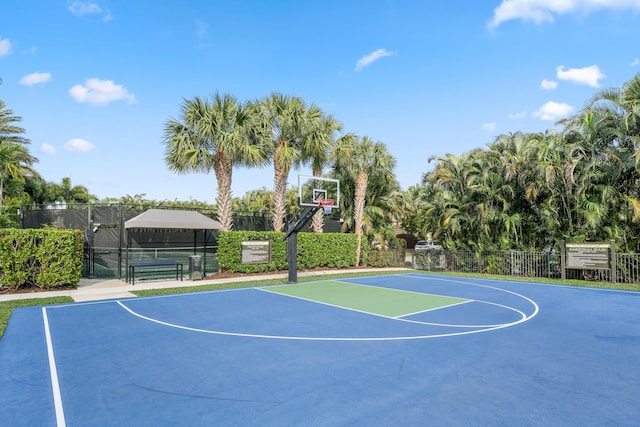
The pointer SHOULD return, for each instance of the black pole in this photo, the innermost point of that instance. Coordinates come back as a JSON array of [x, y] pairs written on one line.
[[291, 237], [292, 257]]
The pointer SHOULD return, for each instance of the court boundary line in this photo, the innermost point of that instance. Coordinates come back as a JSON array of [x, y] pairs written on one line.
[[409, 275], [430, 309], [419, 276], [303, 338], [412, 276], [400, 318], [124, 319], [53, 370], [523, 315]]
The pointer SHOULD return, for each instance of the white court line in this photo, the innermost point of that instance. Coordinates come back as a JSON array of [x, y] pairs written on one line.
[[326, 303], [303, 338], [401, 318], [266, 289], [523, 317], [413, 276], [432, 309], [55, 385]]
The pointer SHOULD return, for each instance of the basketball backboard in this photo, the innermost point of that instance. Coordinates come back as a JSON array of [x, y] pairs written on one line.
[[318, 191]]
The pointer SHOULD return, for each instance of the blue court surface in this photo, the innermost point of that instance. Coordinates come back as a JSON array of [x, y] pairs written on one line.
[[411, 349]]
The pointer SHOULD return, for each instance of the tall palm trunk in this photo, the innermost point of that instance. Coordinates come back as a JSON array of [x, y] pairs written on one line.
[[281, 172], [358, 209], [317, 223], [223, 168]]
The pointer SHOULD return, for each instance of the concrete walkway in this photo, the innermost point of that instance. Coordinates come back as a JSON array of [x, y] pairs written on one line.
[[100, 289]]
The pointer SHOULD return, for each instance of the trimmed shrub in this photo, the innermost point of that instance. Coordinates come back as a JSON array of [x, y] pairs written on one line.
[[229, 253], [42, 258], [380, 258], [332, 250]]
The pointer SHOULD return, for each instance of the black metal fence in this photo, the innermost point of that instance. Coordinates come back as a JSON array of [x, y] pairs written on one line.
[[628, 268], [517, 263]]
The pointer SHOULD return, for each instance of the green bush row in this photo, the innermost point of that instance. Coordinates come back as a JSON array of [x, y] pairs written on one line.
[[389, 258], [332, 250], [42, 258]]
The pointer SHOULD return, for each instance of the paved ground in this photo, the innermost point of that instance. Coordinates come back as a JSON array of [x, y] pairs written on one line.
[[99, 289]]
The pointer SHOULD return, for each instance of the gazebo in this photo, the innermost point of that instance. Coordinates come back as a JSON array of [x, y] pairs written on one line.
[[167, 219]]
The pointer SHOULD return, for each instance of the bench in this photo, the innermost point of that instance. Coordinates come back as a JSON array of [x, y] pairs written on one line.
[[153, 265]]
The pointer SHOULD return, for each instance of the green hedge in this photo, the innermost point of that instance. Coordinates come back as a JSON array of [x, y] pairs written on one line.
[[390, 258], [40, 258], [332, 250]]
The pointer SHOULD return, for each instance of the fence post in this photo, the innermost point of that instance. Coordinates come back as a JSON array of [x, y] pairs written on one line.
[[563, 273], [548, 255], [614, 267]]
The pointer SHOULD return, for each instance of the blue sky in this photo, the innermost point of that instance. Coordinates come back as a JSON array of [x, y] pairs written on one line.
[[95, 81]]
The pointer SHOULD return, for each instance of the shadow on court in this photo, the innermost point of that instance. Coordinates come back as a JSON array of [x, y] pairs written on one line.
[[409, 349]]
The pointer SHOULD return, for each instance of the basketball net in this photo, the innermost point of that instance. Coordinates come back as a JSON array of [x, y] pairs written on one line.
[[327, 205]]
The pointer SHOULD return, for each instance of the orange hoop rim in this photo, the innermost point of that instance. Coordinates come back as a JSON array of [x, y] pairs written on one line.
[[328, 203]]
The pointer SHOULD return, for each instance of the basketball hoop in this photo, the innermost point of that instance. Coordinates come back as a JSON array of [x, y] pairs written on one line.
[[327, 205]]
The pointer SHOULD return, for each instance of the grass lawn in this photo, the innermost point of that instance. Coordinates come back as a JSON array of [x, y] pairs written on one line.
[[6, 307]]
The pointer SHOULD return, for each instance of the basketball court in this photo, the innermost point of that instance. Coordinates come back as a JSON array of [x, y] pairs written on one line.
[[406, 349]]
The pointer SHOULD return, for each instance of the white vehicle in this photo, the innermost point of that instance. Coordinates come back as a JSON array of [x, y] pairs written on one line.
[[422, 245]]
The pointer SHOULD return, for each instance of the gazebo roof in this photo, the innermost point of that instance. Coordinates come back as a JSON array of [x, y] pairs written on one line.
[[175, 219]]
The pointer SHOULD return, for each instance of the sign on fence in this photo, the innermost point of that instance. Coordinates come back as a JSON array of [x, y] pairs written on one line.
[[589, 256], [594, 256]]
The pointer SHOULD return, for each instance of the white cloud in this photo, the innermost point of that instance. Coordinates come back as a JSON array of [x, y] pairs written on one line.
[[78, 144], [553, 111], [101, 92], [635, 62], [30, 51], [489, 126], [5, 47], [367, 60], [517, 116], [48, 149], [80, 8], [548, 84], [586, 76], [541, 11], [35, 78]]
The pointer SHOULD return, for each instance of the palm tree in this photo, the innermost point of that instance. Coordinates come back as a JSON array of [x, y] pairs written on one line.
[[216, 134], [36, 189], [255, 202], [68, 193], [532, 190], [624, 101], [287, 123], [15, 163], [361, 158], [9, 132]]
